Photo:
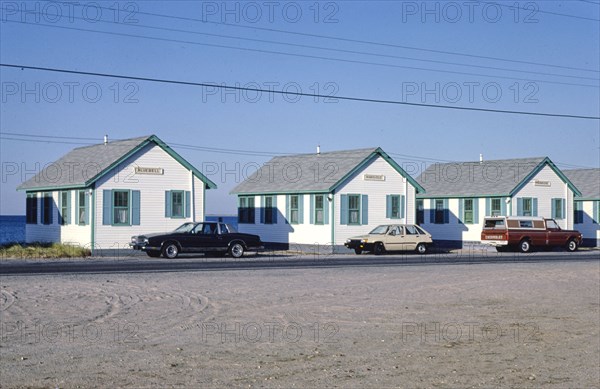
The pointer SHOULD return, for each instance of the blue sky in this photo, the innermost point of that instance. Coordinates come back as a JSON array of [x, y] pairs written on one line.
[[541, 56]]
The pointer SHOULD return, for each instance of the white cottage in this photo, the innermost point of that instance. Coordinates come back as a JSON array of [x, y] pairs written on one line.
[[459, 195], [99, 196], [322, 199], [586, 218]]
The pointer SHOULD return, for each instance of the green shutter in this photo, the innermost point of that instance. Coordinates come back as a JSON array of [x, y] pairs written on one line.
[[461, 210], [325, 209], [595, 216], [344, 209], [68, 215], [364, 220], [534, 206], [488, 206], [287, 209], [300, 209], [388, 206], [402, 205], [86, 209], [168, 212], [188, 204], [503, 207], [312, 209], [135, 207], [562, 205], [275, 210], [77, 207], [475, 211], [553, 210], [519, 206], [106, 207]]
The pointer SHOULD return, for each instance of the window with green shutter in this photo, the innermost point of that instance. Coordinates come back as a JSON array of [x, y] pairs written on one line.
[[65, 207], [246, 211], [420, 212], [558, 209], [354, 209], [47, 208], [496, 207], [527, 206], [82, 208], [121, 206], [439, 211], [468, 211], [319, 209], [578, 212], [177, 204], [294, 209]]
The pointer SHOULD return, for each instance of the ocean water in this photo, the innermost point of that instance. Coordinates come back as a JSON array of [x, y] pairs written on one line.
[[12, 229]]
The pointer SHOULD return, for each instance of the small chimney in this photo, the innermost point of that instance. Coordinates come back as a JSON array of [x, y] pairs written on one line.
[[105, 139], [318, 149], [480, 158]]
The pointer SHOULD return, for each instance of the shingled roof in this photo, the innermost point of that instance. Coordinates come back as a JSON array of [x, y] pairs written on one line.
[[489, 178], [312, 173], [82, 166], [587, 181]]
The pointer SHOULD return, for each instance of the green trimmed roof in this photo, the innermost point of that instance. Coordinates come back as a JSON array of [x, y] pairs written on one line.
[[74, 168], [313, 173], [491, 178]]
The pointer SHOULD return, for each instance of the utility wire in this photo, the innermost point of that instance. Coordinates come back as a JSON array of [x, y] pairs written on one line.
[[347, 98], [307, 56], [330, 49], [543, 12], [351, 40]]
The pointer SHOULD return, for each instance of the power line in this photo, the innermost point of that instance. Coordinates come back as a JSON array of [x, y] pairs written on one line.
[[544, 12], [306, 55], [347, 98], [330, 49], [382, 44]]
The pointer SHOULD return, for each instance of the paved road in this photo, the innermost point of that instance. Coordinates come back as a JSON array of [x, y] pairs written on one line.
[[258, 262]]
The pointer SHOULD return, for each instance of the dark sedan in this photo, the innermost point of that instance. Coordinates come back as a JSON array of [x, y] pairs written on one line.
[[209, 238]]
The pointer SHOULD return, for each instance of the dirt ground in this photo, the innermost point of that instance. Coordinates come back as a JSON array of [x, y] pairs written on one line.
[[479, 325]]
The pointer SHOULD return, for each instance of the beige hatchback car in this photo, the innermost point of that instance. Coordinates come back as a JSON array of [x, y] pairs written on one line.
[[392, 237]]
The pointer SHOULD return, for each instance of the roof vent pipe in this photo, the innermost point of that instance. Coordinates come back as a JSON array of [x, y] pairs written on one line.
[[105, 139], [480, 158], [318, 149]]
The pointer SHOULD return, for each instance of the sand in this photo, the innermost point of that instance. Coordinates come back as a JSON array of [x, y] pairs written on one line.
[[479, 325]]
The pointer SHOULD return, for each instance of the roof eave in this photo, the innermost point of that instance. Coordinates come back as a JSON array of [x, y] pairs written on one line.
[[537, 169]]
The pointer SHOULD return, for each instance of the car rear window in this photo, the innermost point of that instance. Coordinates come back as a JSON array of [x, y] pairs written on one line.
[[525, 223], [494, 223]]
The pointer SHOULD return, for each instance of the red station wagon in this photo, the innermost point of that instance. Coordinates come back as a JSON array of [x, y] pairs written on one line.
[[523, 233]]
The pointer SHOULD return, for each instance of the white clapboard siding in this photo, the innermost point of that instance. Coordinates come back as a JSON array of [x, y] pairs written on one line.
[[152, 196], [590, 228], [545, 194], [377, 191]]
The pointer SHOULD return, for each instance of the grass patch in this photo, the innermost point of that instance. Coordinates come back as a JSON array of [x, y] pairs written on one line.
[[42, 250]]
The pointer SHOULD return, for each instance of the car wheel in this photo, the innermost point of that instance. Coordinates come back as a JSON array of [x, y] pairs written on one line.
[[378, 249], [358, 251], [236, 250], [170, 250], [572, 245], [525, 246], [422, 248], [153, 253]]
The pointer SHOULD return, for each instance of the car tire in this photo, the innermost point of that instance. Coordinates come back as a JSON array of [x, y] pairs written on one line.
[[153, 253], [421, 248], [525, 246], [379, 248], [572, 245], [358, 251], [236, 250], [170, 250]]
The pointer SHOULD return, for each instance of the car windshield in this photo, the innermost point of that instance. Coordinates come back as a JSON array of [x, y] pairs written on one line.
[[380, 230], [184, 228]]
